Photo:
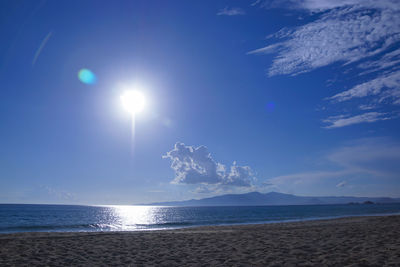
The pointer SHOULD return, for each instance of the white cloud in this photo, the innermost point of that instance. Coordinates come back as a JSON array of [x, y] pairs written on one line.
[[231, 11], [194, 165], [342, 120], [341, 184], [346, 31], [239, 176]]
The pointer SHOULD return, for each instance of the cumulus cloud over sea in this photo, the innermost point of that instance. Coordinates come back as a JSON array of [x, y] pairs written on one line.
[[194, 165]]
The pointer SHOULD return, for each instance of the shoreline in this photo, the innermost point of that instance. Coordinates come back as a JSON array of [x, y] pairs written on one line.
[[195, 227], [209, 225], [368, 240], [277, 222]]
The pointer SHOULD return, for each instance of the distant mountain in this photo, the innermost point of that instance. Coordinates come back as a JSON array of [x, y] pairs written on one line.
[[273, 198]]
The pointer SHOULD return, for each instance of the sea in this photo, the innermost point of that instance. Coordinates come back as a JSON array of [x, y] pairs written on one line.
[[74, 218]]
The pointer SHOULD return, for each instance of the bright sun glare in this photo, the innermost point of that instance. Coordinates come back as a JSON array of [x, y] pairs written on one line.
[[133, 101]]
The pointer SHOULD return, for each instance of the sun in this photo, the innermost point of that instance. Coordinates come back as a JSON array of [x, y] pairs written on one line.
[[133, 101]]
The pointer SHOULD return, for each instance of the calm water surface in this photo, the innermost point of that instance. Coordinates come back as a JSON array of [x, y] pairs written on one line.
[[33, 218]]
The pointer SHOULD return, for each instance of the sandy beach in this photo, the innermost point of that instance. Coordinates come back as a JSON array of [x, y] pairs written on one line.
[[357, 241]]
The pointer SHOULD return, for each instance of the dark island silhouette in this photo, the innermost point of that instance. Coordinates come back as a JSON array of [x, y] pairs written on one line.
[[275, 198]]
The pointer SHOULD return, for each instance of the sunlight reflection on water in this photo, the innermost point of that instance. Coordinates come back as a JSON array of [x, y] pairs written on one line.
[[127, 218]]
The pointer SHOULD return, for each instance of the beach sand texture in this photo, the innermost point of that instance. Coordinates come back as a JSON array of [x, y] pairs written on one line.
[[357, 241]]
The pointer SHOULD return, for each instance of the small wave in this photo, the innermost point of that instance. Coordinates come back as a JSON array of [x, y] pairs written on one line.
[[166, 224], [34, 228], [93, 227]]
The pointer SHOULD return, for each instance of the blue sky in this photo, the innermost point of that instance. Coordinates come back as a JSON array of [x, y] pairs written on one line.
[[298, 97]]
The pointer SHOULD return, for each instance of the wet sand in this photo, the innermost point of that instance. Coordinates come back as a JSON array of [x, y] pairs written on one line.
[[357, 241]]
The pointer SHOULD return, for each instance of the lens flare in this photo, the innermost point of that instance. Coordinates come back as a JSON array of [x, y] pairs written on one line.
[[270, 106], [87, 76]]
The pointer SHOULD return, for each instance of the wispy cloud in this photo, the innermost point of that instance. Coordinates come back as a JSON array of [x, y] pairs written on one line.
[[364, 32], [231, 11], [388, 60], [306, 177], [343, 120], [194, 165], [323, 5], [207, 189], [376, 158], [367, 107], [59, 194], [386, 87], [40, 48], [348, 35]]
